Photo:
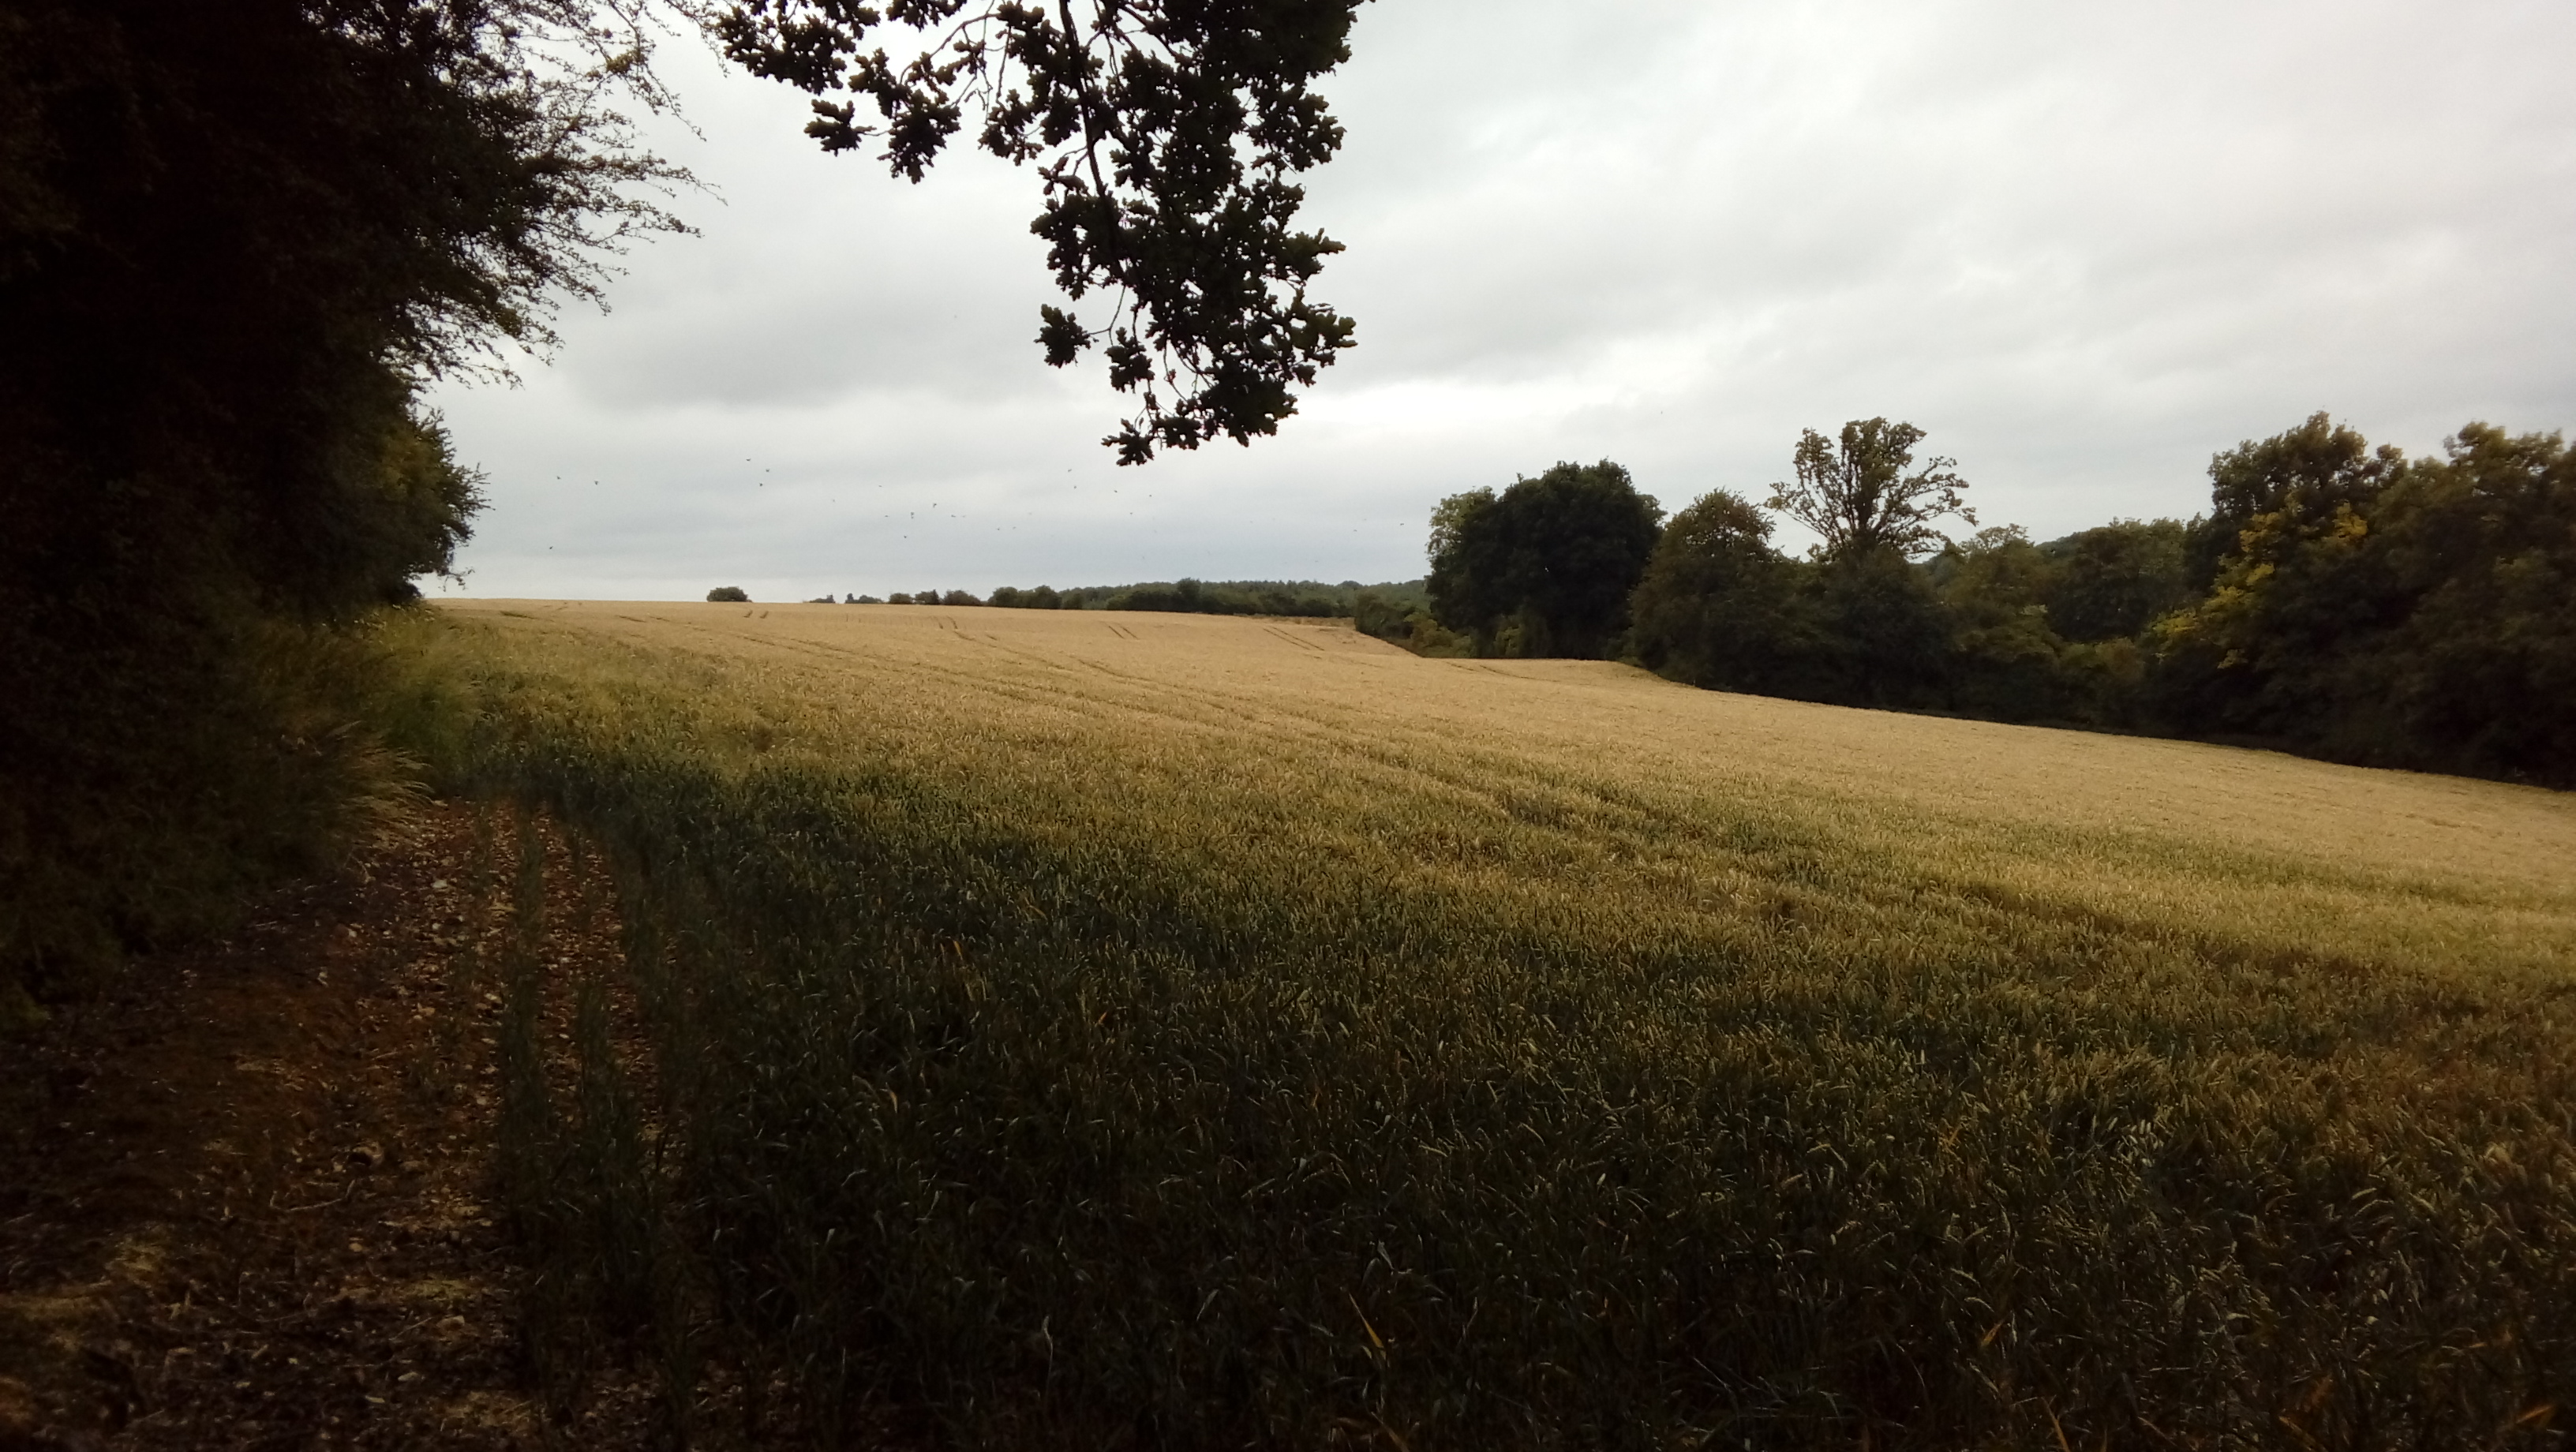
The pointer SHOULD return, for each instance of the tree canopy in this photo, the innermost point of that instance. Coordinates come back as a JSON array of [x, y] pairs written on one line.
[[1717, 606], [2355, 603], [1165, 136], [2401, 612], [2307, 470], [234, 242], [1545, 567], [2115, 579], [1855, 490]]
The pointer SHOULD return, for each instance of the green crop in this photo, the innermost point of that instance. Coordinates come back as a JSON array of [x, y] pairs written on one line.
[[1186, 1031]]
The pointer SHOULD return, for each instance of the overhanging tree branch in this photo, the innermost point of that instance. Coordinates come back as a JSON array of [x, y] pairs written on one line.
[[1164, 136]]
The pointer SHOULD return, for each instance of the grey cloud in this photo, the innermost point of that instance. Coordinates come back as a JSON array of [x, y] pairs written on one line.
[[817, 277], [2085, 247]]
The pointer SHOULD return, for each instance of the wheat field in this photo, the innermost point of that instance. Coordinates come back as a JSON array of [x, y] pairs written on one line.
[[1179, 1030]]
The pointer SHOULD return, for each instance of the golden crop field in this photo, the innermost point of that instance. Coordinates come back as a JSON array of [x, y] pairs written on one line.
[[1183, 1030]]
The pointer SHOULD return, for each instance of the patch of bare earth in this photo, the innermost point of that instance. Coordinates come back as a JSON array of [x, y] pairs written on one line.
[[245, 1195]]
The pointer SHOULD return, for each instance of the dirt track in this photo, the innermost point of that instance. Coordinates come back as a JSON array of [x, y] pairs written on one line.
[[243, 1192]]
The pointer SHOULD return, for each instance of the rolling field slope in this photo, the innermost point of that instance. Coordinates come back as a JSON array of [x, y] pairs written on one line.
[[1197, 1030]]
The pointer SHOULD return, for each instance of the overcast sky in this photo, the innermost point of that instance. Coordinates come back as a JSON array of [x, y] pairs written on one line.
[[2084, 246]]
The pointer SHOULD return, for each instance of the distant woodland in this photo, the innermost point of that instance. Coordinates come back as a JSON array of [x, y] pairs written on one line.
[[1308, 598], [2337, 599]]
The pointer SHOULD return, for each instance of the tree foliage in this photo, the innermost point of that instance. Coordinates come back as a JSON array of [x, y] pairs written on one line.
[[2403, 612], [2307, 470], [1883, 636], [1857, 493], [1545, 567], [2114, 580], [233, 241], [2364, 606], [1717, 606], [1165, 133], [2006, 656], [1194, 597]]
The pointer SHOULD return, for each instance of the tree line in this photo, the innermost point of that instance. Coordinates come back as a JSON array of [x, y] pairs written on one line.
[[2336, 599], [1297, 598], [235, 242]]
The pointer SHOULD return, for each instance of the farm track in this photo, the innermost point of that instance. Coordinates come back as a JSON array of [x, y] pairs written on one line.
[[247, 1201]]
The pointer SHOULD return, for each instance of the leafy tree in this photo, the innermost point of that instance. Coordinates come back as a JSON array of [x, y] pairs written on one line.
[[1464, 537], [1182, 597], [1400, 613], [2476, 554], [1883, 636], [234, 241], [1165, 138], [2006, 661], [2402, 613], [1374, 614], [1997, 569], [2286, 518], [2307, 470], [1240, 597], [1043, 597], [1546, 567], [1857, 494], [959, 598], [728, 595], [2114, 580], [1717, 606]]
